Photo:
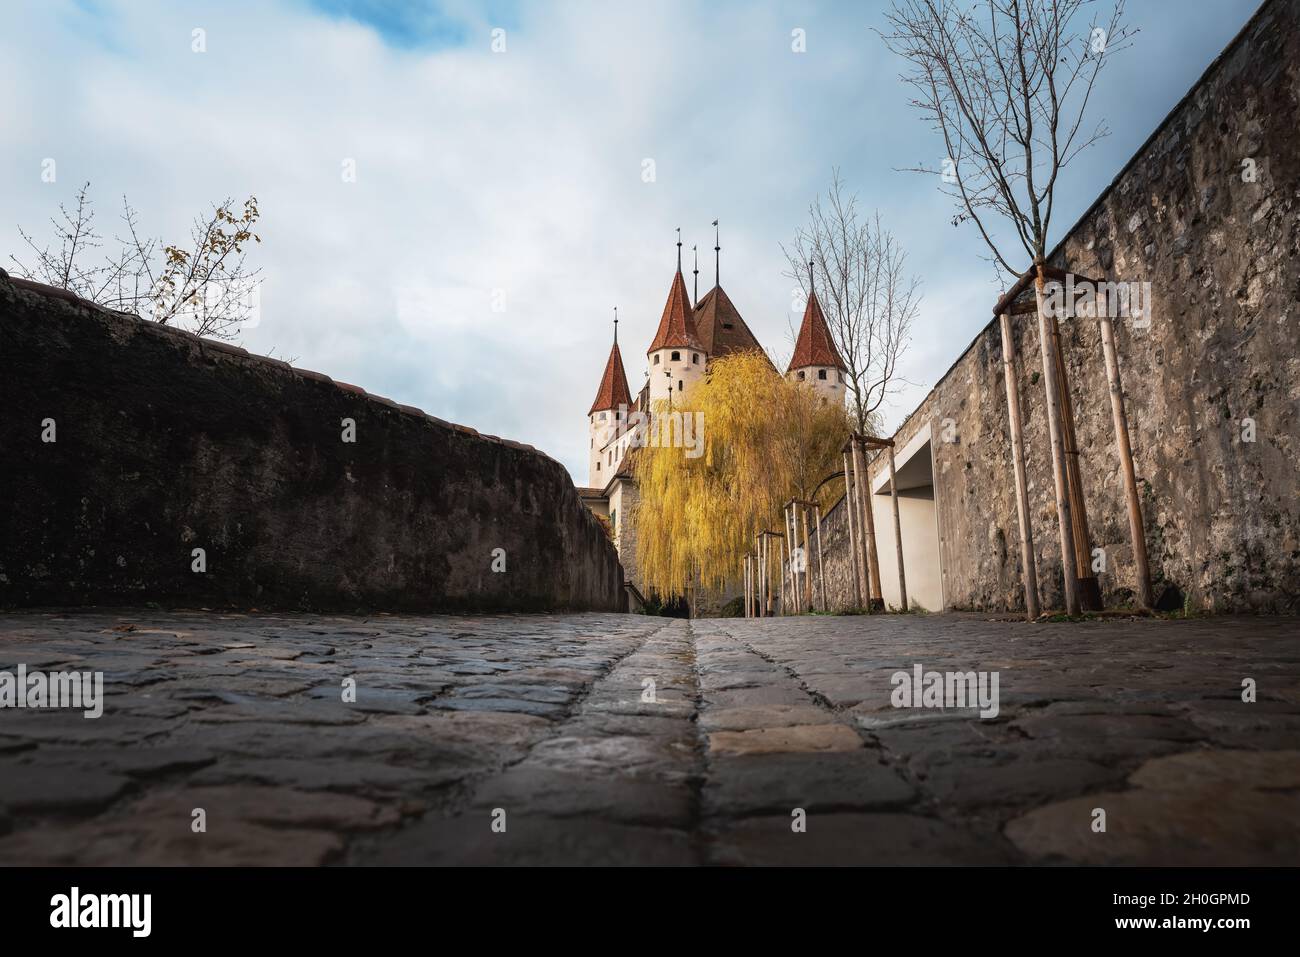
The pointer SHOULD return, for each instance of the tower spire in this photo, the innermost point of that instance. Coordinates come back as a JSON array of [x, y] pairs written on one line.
[[717, 256], [696, 250], [679, 249]]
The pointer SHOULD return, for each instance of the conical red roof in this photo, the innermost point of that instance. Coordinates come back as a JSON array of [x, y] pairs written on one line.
[[613, 390], [722, 331], [677, 327], [814, 347]]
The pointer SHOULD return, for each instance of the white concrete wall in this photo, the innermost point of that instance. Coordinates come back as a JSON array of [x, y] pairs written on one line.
[[920, 548]]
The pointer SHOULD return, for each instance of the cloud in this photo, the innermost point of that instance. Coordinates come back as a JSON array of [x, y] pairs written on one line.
[[515, 178]]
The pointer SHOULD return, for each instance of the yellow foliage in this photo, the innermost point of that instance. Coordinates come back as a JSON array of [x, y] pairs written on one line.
[[766, 440]]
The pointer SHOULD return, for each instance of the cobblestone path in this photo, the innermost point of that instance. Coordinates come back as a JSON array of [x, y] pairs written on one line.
[[597, 739]]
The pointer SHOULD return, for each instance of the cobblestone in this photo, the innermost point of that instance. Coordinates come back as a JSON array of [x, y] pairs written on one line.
[[613, 739]]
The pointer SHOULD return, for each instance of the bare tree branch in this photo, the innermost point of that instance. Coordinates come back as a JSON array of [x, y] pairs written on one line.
[[867, 295], [1007, 84], [204, 286]]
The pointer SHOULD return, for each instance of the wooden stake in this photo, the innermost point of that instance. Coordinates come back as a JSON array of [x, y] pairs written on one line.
[[807, 559], [1028, 566], [781, 589], [767, 575], [753, 610], [1055, 433], [869, 520], [821, 568], [1089, 591], [898, 534], [850, 513], [789, 548], [745, 576], [1136, 529]]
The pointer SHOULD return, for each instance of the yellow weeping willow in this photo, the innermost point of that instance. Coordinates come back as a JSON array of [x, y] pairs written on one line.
[[766, 440]]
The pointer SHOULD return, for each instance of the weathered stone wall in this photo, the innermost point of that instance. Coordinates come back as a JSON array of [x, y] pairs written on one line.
[[1222, 255], [836, 561], [166, 443]]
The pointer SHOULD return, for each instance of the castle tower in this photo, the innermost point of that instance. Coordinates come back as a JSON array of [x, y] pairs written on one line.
[[676, 356], [602, 419], [718, 323], [816, 360]]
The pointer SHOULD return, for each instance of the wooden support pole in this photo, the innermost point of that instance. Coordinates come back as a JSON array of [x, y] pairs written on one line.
[[789, 564], [898, 534], [869, 522], [799, 562], [821, 568], [767, 575], [851, 514], [1028, 566], [789, 548], [745, 576], [780, 602], [807, 559], [753, 589], [1089, 591], [1055, 433], [1136, 529]]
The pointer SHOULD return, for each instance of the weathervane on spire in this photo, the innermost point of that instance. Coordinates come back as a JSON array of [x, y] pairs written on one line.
[[616, 325], [696, 251], [679, 249], [717, 256]]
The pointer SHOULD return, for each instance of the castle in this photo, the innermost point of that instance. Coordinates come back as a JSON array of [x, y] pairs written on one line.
[[689, 337]]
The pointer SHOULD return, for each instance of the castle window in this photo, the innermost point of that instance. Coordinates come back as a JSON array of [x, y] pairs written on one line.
[[800, 374], [679, 385], [598, 469], [695, 358], [656, 358], [677, 357], [821, 373]]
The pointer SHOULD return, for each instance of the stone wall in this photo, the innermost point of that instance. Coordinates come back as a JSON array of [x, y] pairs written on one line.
[[166, 443], [1222, 254]]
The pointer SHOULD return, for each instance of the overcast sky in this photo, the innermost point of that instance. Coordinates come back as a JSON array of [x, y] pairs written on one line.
[[517, 177]]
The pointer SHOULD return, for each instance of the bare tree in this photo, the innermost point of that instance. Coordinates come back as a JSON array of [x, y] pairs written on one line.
[[866, 294], [204, 285], [1007, 84]]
